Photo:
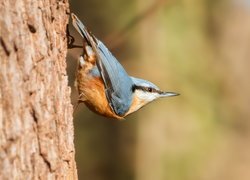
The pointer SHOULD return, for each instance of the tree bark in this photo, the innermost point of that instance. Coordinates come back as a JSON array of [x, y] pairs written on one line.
[[36, 127]]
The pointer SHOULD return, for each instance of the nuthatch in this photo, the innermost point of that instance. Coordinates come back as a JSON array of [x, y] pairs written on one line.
[[103, 84]]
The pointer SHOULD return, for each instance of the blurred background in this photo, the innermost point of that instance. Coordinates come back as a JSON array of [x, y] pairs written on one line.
[[198, 48]]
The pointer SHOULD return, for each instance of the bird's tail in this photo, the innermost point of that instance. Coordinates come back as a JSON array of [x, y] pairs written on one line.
[[83, 31]]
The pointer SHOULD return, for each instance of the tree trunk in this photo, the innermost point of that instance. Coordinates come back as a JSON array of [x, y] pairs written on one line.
[[36, 128]]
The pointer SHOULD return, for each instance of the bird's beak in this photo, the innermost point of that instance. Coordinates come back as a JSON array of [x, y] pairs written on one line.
[[168, 94]]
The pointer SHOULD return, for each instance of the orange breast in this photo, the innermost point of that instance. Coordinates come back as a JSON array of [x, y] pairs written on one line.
[[93, 91], [135, 105]]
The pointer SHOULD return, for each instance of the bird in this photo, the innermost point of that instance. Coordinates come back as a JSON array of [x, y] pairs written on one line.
[[104, 85]]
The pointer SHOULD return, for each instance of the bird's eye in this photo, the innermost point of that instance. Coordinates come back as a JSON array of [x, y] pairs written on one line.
[[150, 89]]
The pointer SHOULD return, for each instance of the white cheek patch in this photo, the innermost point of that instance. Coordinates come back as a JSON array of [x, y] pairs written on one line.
[[145, 96]]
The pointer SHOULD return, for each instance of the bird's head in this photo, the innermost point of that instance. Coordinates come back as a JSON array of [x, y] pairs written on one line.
[[145, 92]]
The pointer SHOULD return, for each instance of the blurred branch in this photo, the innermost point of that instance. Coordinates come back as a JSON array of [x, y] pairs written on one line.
[[116, 39]]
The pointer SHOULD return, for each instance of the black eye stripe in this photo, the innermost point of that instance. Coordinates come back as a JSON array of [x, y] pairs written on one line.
[[133, 88], [142, 88]]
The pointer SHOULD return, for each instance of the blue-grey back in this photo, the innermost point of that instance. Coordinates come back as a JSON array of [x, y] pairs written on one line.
[[117, 82]]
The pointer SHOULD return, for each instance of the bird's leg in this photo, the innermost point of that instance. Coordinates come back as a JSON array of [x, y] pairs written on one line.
[[71, 40], [81, 99], [75, 107]]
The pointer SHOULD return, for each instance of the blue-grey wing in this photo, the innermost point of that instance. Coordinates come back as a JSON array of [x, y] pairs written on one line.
[[117, 82]]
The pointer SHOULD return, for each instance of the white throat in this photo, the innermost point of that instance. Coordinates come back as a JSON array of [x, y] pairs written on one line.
[[140, 99], [146, 97]]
